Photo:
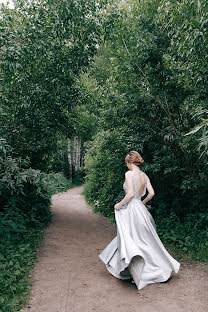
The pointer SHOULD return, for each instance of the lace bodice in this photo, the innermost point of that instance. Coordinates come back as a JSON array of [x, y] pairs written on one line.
[[135, 186]]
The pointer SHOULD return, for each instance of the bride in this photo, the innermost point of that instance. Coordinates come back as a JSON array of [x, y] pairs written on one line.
[[137, 252]]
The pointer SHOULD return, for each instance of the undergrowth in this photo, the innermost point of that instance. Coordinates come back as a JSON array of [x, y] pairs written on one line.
[[57, 182], [16, 261]]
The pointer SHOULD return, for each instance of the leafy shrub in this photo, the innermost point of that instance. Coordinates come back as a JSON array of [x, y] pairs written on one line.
[[103, 165], [57, 182], [16, 261], [24, 211], [189, 236], [24, 199]]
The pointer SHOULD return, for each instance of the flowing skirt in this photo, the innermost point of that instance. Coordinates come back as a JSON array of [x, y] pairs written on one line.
[[137, 251]]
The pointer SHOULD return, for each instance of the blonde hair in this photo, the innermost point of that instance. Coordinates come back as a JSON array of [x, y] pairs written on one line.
[[134, 157]]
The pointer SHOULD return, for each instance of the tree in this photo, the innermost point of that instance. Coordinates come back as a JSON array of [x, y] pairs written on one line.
[[44, 47]]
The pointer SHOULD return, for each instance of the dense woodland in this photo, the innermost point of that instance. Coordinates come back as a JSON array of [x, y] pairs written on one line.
[[83, 82]]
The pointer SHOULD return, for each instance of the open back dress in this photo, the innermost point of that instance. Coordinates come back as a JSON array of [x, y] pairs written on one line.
[[137, 252]]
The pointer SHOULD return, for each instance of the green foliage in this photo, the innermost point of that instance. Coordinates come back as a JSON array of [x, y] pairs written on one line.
[[147, 85], [24, 198], [201, 127], [16, 261], [44, 47], [57, 182], [103, 155], [190, 236], [24, 211]]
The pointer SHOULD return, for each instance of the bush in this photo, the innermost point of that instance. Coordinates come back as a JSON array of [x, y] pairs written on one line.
[[103, 165], [24, 211], [24, 199], [56, 183], [16, 261]]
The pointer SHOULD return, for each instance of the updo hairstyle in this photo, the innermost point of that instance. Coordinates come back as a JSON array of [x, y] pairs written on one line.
[[134, 157]]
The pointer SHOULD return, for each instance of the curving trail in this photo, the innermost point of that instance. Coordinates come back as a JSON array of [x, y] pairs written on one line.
[[69, 276]]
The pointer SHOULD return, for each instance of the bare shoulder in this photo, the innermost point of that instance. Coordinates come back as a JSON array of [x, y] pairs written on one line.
[[127, 173], [145, 176]]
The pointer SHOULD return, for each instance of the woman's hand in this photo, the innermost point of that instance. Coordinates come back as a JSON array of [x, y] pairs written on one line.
[[117, 206]]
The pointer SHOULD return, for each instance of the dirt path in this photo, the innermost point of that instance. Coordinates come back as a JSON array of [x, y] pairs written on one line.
[[69, 276]]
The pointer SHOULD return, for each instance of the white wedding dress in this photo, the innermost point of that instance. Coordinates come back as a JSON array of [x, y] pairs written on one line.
[[137, 251]]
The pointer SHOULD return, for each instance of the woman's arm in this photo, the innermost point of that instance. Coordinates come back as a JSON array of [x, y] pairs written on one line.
[[130, 191], [150, 190]]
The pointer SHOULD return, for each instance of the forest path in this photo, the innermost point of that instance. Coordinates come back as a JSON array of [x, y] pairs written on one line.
[[69, 276]]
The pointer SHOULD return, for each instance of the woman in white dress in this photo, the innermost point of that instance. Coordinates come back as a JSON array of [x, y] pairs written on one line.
[[137, 252]]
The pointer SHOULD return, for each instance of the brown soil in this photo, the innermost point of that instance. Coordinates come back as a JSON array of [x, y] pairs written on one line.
[[69, 276]]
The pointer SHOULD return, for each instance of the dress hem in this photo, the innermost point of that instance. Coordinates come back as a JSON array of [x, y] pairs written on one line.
[[113, 273]]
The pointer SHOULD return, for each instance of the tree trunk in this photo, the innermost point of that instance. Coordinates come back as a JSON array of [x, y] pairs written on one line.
[[70, 159], [75, 155]]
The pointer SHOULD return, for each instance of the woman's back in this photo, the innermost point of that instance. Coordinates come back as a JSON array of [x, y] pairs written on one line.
[[139, 179], [140, 182]]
